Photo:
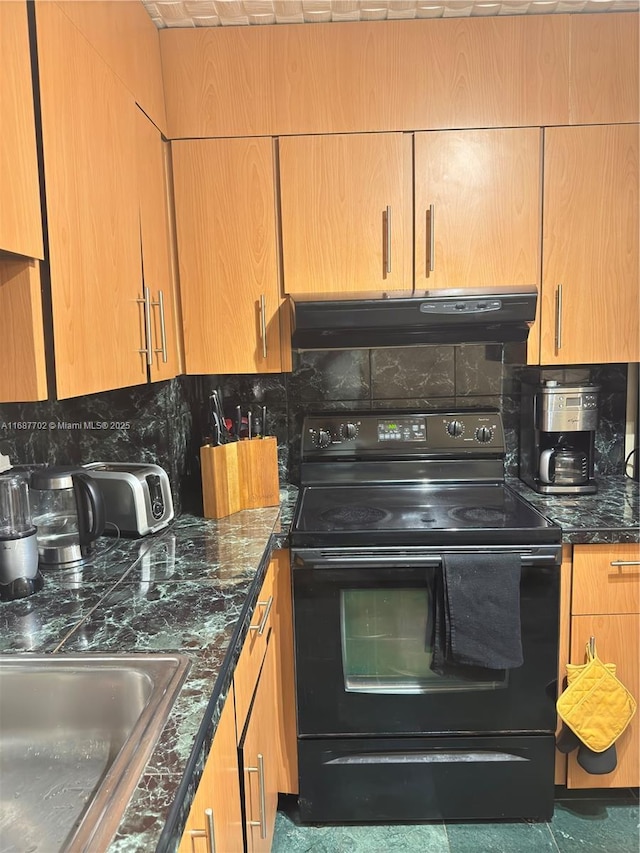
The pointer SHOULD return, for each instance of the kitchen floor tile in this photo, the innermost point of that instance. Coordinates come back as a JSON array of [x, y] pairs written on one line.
[[392, 838], [520, 837], [580, 823], [596, 826]]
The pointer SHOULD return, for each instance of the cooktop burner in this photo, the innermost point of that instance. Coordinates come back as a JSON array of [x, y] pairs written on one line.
[[353, 516], [477, 515]]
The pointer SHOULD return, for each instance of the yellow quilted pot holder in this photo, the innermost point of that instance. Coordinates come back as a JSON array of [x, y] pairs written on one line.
[[595, 705]]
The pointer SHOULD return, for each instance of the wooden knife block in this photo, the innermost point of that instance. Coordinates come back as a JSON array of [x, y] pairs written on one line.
[[239, 475]]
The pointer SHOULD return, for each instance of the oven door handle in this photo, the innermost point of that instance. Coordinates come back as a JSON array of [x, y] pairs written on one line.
[[323, 559]]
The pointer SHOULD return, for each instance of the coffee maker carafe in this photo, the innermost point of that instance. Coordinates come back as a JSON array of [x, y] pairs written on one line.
[[19, 574], [68, 511], [557, 437]]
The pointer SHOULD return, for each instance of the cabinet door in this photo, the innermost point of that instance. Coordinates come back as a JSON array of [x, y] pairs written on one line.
[[590, 290], [285, 703], [606, 579], [216, 806], [477, 208], [89, 141], [604, 82], [259, 761], [157, 269], [346, 212], [23, 374], [226, 231], [616, 642], [20, 216], [254, 649]]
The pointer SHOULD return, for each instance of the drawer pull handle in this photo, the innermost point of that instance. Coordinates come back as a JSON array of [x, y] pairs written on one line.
[[202, 833], [263, 323], [432, 239], [147, 351], [163, 327], [263, 622], [262, 823], [559, 318], [625, 563]]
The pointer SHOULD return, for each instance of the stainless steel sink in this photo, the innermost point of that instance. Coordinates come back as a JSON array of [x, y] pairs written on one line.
[[75, 734]]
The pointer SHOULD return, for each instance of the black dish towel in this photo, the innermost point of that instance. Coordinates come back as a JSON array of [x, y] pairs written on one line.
[[477, 613]]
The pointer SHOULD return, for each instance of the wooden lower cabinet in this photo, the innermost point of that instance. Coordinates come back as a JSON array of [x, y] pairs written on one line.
[[605, 604], [216, 805], [617, 642], [254, 751], [259, 761]]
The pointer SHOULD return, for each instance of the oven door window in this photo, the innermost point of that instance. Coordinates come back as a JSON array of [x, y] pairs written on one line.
[[386, 638]]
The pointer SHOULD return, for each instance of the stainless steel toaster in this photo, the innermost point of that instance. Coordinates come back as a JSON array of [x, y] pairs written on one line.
[[137, 496]]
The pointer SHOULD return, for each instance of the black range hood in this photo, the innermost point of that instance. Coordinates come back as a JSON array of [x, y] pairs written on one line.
[[372, 320]]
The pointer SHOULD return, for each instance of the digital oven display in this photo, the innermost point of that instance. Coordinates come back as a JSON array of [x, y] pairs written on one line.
[[402, 429]]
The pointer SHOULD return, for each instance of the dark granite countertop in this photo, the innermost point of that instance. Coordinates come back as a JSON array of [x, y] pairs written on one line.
[[611, 515], [192, 589]]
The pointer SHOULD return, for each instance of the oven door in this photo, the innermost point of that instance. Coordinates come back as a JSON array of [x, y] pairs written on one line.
[[363, 626]]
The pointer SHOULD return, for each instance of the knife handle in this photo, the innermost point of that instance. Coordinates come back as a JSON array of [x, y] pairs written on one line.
[[264, 421]]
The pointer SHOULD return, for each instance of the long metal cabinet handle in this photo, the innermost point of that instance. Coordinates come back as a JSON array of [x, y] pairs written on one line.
[[148, 349], [262, 823], [210, 835], [263, 622], [625, 563], [205, 833], [263, 323], [388, 241], [559, 318], [163, 330], [432, 238]]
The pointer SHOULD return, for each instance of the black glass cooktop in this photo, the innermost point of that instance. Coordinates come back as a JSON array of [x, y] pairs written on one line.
[[423, 514]]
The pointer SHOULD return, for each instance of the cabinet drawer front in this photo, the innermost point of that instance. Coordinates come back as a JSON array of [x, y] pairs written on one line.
[[253, 651], [606, 579]]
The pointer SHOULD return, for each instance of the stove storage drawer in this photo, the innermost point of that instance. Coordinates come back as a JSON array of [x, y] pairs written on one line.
[[415, 779], [606, 579]]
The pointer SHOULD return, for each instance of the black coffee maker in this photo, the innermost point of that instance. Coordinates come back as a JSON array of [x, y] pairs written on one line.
[[557, 437]]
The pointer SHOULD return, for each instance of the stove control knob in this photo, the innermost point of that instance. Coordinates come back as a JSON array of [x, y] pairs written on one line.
[[484, 434], [455, 428], [322, 438], [348, 431]]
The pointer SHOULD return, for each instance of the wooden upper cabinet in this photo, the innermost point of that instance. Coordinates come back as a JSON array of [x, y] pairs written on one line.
[[22, 359], [367, 76], [477, 208], [605, 72], [590, 290], [227, 254], [127, 39], [346, 212], [20, 215], [89, 141], [155, 234]]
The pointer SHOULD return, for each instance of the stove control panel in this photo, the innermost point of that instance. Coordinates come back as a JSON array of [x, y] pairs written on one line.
[[378, 434]]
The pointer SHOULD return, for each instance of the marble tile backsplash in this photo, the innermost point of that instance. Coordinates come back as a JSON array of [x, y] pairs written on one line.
[[166, 422]]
